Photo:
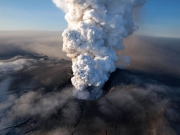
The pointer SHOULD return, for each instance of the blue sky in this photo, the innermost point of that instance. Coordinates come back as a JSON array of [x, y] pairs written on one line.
[[30, 15], [160, 18], [156, 17]]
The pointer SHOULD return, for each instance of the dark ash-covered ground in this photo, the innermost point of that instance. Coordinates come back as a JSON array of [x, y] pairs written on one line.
[[36, 95], [133, 103]]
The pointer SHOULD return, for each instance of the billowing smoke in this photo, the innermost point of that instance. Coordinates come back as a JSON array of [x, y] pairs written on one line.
[[95, 31]]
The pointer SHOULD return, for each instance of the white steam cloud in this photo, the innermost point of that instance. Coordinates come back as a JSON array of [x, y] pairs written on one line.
[[95, 31], [12, 66]]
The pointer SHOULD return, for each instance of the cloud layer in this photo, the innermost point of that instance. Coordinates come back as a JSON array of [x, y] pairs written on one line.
[[31, 43]]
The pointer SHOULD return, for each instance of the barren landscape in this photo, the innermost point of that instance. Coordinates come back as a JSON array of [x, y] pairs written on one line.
[[36, 92]]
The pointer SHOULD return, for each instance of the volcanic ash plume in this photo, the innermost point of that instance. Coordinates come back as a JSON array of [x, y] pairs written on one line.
[[95, 30]]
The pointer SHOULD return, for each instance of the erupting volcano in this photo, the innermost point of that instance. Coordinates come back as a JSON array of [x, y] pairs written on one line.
[[95, 31]]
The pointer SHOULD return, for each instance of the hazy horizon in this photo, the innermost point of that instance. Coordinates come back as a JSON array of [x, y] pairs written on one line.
[[147, 52]]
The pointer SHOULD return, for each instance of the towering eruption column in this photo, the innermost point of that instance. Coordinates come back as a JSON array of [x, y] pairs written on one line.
[[95, 31]]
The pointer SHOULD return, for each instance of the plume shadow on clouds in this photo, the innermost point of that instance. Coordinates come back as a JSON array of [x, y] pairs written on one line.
[[153, 54]]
